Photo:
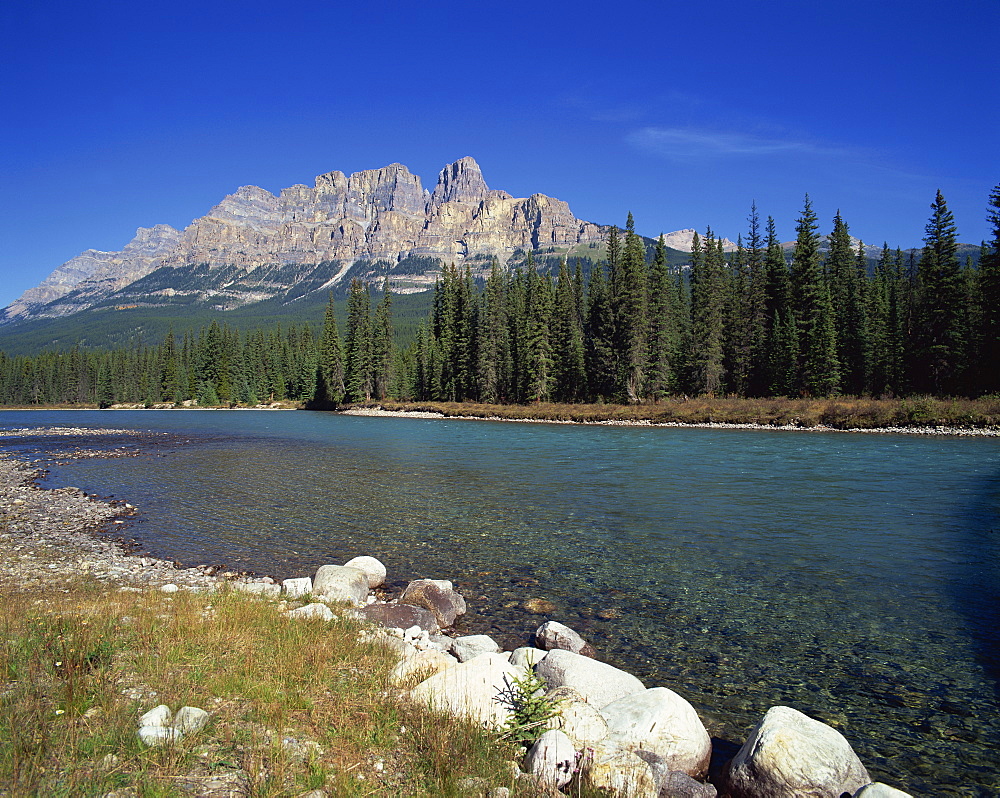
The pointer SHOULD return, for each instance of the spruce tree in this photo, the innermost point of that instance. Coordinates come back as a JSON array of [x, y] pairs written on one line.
[[707, 306], [600, 337], [567, 342], [989, 304], [493, 352], [940, 331], [539, 360], [632, 316], [819, 368], [383, 345], [330, 369], [358, 363], [662, 326]]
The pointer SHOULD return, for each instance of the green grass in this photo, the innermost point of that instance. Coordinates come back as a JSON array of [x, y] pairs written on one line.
[[68, 725]]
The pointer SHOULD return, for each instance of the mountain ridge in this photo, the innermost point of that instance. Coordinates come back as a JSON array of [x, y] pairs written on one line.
[[252, 237]]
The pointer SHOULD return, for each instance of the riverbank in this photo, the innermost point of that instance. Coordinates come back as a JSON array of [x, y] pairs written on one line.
[[882, 417], [93, 636], [915, 415]]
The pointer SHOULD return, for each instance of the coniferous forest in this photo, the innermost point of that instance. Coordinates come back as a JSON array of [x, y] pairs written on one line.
[[749, 322]]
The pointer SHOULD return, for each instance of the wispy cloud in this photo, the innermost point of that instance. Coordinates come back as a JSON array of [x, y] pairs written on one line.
[[685, 143]]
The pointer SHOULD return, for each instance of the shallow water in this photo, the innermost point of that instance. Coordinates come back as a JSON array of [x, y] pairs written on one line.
[[854, 577]]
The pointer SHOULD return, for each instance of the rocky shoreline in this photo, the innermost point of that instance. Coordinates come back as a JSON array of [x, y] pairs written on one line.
[[634, 740]]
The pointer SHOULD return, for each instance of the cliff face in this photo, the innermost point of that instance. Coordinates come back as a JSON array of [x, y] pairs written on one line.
[[257, 245]]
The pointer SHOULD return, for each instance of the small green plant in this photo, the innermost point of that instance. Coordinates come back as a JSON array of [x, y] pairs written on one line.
[[530, 709]]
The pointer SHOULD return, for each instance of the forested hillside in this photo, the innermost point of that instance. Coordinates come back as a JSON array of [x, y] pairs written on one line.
[[635, 327]]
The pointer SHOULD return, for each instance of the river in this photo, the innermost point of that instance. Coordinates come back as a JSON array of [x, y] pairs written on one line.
[[855, 577]]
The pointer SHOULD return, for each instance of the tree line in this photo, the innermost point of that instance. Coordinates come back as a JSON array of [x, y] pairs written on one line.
[[746, 322]]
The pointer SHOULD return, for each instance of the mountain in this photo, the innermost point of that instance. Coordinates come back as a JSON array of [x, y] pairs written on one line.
[[254, 246]]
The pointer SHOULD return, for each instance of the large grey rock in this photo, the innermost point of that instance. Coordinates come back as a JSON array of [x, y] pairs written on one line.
[[620, 772], [471, 646], [598, 682], [789, 755], [662, 722], [552, 759], [553, 634], [370, 567], [469, 689], [880, 790], [438, 596], [339, 583], [401, 616]]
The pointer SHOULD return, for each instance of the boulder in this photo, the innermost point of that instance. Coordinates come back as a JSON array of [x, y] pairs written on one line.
[[339, 583], [158, 735], [790, 754], [552, 759], [620, 772], [426, 663], [880, 790], [583, 723], [553, 634], [469, 689], [471, 646], [370, 567], [661, 722], [438, 596], [157, 716], [401, 616], [297, 588], [598, 682], [189, 720], [526, 657], [314, 610]]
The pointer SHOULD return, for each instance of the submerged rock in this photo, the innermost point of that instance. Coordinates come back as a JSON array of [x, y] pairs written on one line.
[[438, 596]]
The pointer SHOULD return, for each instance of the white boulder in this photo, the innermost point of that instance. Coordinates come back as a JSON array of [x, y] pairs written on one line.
[[790, 754], [598, 682], [370, 567], [471, 646], [661, 722], [552, 759], [340, 583], [189, 720], [298, 587], [470, 689]]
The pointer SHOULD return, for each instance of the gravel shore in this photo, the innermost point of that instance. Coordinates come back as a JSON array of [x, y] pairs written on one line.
[[51, 537]]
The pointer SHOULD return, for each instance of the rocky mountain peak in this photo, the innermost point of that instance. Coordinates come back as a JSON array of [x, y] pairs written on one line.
[[461, 181]]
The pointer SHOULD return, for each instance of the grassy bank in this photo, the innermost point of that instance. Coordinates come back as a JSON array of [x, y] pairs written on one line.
[[295, 705], [836, 413]]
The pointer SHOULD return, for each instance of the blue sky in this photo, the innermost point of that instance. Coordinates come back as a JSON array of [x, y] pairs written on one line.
[[120, 115]]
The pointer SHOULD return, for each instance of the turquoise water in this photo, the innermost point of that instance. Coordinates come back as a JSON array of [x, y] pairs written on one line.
[[854, 577]]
